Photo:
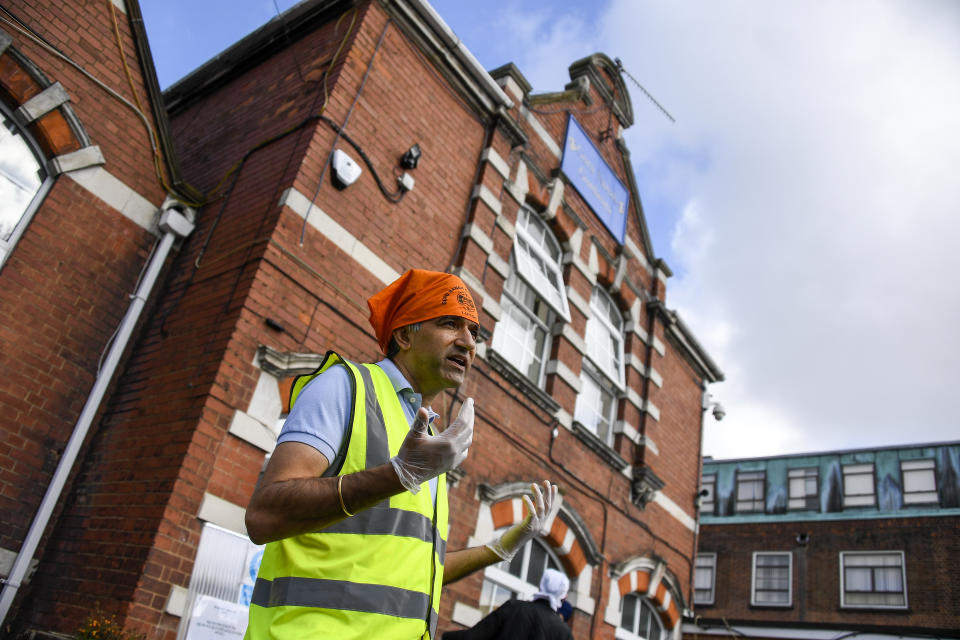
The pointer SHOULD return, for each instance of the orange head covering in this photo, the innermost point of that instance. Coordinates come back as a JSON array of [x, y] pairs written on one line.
[[416, 296]]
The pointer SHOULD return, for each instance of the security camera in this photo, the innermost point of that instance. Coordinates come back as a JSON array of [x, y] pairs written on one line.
[[719, 412], [803, 539], [345, 170]]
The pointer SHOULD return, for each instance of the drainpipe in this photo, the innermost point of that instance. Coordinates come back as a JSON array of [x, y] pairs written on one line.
[[173, 224]]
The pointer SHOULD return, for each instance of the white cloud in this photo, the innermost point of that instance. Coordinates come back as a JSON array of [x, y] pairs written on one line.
[[810, 175]]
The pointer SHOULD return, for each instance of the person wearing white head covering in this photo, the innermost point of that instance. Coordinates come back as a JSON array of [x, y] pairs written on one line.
[[553, 588], [519, 620]]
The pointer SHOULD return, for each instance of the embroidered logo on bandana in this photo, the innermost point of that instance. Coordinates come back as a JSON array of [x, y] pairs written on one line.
[[463, 299]]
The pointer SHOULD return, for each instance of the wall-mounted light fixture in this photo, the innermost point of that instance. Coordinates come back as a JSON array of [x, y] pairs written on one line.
[[411, 157]]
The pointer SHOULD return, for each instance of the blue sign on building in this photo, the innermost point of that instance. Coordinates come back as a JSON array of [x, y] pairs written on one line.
[[598, 185]]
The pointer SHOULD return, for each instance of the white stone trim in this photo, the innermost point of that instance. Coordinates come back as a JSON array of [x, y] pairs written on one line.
[[112, 191], [498, 264], [465, 615], [563, 371], [253, 431], [647, 441], [634, 327], [652, 410], [568, 332], [674, 510], [556, 197], [509, 84], [659, 346], [540, 131], [634, 398], [638, 254], [634, 362], [565, 419], [574, 298], [628, 430], [120, 4], [41, 104], [177, 599], [222, 513], [476, 234], [488, 198], [506, 226], [332, 230], [499, 164], [89, 156], [655, 376], [518, 187]]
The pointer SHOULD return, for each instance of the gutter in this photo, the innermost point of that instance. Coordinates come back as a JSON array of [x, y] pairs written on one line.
[[460, 51], [174, 225], [162, 124]]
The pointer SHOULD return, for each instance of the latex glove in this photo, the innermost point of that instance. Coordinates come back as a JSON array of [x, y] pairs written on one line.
[[540, 511], [423, 456]]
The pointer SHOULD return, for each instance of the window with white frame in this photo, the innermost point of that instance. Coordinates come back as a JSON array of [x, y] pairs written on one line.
[[803, 489], [919, 481], [772, 579], [858, 485], [534, 297], [602, 374], [874, 579], [708, 491], [639, 619], [518, 578], [23, 181], [704, 578], [750, 491]]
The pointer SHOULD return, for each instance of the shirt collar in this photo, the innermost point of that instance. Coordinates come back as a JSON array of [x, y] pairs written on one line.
[[403, 388]]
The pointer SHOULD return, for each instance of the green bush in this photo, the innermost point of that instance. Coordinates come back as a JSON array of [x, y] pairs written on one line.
[[100, 627]]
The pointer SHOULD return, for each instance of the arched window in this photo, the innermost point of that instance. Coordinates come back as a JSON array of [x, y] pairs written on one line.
[[534, 297], [602, 373], [638, 619], [23, 181], [518, 578]]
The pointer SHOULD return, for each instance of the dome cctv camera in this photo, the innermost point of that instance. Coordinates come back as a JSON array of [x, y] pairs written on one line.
[[719, 412], [345, 170]]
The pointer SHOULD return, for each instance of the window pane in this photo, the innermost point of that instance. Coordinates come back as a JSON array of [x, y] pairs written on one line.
[[538, 562], [629, 612], [703, 579], [520, 339], [537, 256], [492, 595], [20, 177], [858, 579], [516, 563], [859, 485], [604, 336], [887, 579], [874, 579]]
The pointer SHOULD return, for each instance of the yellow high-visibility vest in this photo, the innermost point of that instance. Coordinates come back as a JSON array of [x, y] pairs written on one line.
[[377, 574]]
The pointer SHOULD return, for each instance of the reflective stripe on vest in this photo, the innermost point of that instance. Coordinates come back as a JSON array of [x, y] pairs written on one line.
[[370, 575]]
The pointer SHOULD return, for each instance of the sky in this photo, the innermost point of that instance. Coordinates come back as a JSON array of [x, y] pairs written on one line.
[[806, 197]]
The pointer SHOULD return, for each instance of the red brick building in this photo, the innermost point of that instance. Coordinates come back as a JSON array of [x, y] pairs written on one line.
[[830, 544], [585, 377]]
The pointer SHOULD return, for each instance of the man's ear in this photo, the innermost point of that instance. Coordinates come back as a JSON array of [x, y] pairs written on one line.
[[402, 337]]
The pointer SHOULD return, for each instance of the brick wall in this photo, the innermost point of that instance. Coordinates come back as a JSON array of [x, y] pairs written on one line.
[[930, 548], [66, 283]]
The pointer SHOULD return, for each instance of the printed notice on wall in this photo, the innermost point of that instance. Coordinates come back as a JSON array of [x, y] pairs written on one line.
[[215, 619]]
